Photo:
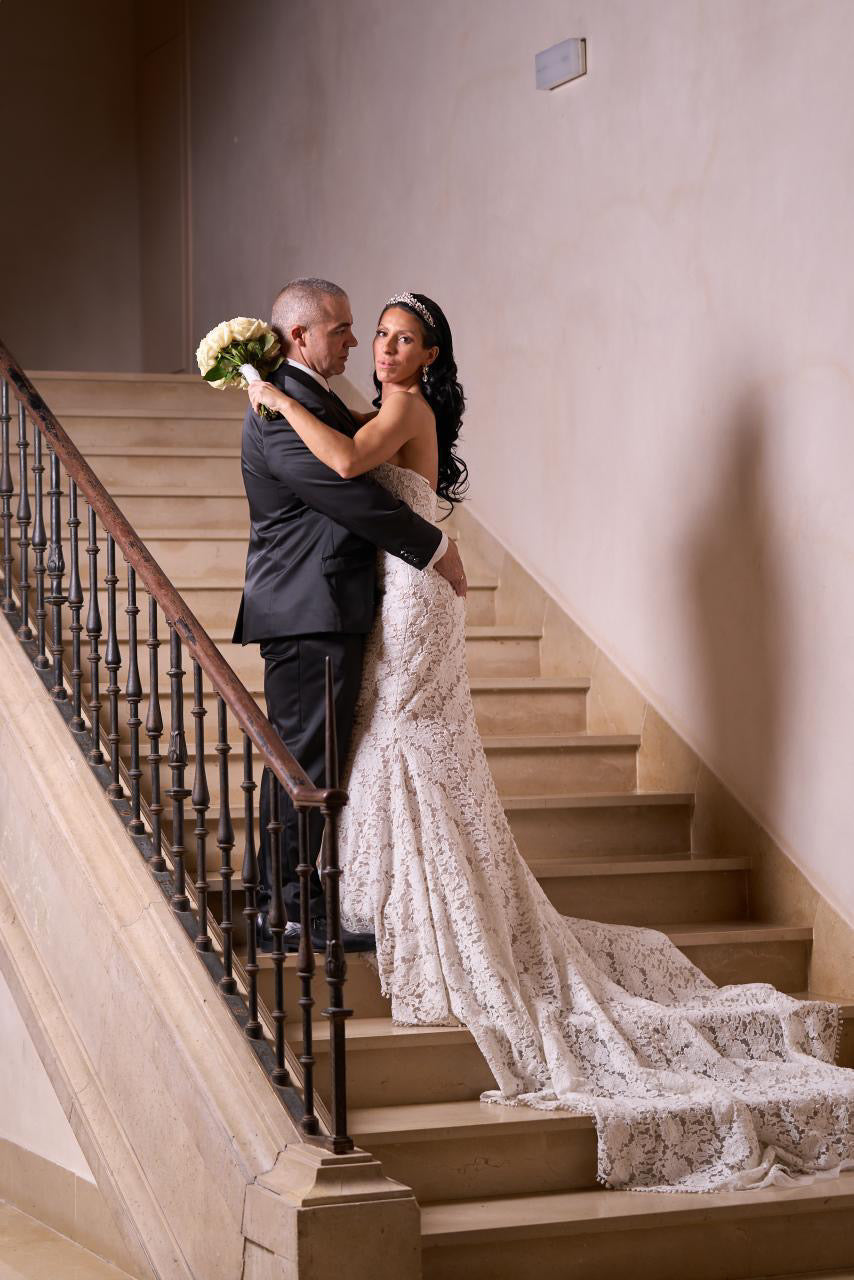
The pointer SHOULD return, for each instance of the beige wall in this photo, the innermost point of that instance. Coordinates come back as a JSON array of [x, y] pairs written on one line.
[[69, 227], [647, 275], [30, 1114]]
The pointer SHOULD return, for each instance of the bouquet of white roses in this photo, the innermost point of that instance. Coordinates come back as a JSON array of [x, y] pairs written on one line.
[[238, 352]]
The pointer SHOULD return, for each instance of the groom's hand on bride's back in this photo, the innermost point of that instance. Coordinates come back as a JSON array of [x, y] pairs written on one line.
[[451, 567]]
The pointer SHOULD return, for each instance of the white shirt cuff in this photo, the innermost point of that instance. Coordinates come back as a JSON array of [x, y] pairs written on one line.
[[439, 552]]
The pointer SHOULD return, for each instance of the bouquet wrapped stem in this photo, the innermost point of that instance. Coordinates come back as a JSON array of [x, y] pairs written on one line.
[[238, 352]]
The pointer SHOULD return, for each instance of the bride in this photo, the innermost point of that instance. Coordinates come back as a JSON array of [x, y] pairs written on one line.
[[692, 1087]]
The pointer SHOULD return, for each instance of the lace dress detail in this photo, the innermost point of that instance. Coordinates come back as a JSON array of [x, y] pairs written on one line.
[[692, 1087]]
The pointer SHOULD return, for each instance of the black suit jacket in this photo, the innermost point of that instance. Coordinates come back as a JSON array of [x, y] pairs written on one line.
[[311, 564]]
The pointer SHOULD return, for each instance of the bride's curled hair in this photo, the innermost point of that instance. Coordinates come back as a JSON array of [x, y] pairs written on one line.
[[444, 394]]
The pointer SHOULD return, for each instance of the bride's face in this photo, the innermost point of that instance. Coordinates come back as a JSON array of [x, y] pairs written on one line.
[[399, 351]]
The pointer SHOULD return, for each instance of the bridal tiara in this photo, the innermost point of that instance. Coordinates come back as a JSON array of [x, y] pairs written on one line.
[[411, 301]]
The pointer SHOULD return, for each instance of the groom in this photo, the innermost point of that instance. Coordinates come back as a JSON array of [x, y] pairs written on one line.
[[311, 569]]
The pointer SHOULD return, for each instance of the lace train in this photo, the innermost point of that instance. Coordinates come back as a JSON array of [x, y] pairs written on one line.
[[692, 1087]]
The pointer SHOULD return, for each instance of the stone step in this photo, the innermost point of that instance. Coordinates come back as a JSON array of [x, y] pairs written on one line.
[[516, 704], [628, 826], [581, 763], [95, 434], [506, 706], [168, 473], [647, 892], [214, 561], [471, 1149], [656, 823], [728, 952], [556, 764], [215, 604], [148, 395], [182, 512], [609, 1235], [559, 706]]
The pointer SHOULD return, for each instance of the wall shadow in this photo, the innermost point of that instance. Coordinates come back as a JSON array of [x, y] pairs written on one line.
[[737, 600]]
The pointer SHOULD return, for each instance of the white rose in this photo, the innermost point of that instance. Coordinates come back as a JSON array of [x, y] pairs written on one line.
[[211, 345], [244, 328]]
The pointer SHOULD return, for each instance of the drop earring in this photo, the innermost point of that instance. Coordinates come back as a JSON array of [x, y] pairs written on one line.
[[424, 374]]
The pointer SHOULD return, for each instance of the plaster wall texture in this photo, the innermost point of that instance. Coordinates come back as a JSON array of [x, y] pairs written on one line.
[[30, 1112], [645, 272], [69, 220]]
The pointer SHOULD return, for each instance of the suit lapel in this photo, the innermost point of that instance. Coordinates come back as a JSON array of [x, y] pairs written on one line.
[[311, 393]]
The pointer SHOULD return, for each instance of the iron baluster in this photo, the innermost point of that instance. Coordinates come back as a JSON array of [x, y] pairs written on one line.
[[55, 571], [6, 490], [112, 661], [75, 605], [154, 730], [177, 793], [93, 631], [336, 965], [305, 972], [39, 545], [225, 843], [24, 516], [200, 800], [250, 877], [277, 920], [133, 695]]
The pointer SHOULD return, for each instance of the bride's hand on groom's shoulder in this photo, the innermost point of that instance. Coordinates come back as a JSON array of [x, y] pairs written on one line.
[[265, 393]]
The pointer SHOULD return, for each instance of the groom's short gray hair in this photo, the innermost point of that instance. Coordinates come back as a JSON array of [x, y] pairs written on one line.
[[301, 302]]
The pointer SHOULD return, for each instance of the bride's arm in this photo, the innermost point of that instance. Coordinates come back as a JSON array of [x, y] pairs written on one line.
[[377, 441]]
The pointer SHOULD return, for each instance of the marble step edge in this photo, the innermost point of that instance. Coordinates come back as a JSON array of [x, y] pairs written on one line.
[[568, 868], [161, 451], [605, 799], [106, 375], [587, 1212], [226, 583], [583, 800], [720, 933], [369, 1034], [193, 534], [523, 742]]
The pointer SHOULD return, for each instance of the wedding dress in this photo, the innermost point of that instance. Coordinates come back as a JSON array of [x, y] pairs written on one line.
[[692, 1087]]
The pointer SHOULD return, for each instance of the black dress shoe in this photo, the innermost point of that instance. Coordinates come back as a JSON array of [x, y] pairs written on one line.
[[349, 941], [264, 934]]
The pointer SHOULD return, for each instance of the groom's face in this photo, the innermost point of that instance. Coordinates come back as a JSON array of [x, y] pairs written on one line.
[[326, 343]]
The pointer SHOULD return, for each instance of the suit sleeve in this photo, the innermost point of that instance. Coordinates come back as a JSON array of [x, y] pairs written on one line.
[[361, 505]]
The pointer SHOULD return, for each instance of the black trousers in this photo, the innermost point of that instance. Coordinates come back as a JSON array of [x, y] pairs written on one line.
[[294, 686]]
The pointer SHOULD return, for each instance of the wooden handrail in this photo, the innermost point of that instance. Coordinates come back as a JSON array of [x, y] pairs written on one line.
[[274, 753]]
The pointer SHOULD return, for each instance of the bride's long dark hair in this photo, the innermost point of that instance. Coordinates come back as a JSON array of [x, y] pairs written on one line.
[[444, 394]]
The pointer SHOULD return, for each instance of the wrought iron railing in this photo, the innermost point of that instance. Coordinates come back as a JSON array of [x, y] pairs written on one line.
[[159, 835]]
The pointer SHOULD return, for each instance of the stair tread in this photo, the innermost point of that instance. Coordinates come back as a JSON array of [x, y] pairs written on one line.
[[557, 868], [501, 632], [735, 931], [520, 742], [452, 1119], [236, 583], [692, 935], [597, 800], [550, 868], [483, 684], [569, 1212], [846, 1003], [382, 1033], [164, 451], [537, 741]]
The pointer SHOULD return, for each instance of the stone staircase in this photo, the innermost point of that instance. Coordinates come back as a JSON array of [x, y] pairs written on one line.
[[504, 1191]]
